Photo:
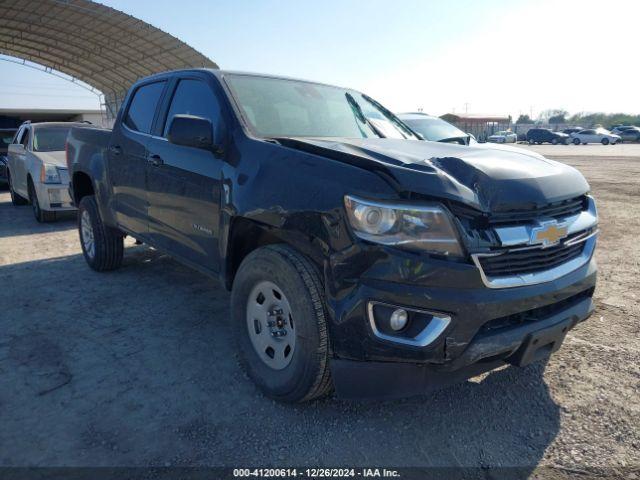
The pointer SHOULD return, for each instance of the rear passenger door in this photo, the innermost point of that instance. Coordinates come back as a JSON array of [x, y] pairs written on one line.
[[183, 183], [128, 157]]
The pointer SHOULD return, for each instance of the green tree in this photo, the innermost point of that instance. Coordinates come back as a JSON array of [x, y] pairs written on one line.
[[524, 119], [554, 116]]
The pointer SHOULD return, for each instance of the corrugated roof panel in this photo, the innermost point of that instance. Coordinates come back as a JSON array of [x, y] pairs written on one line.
[[99, 45]]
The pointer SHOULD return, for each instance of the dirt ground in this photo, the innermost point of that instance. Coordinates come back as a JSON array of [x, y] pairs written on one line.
[[137, 367]]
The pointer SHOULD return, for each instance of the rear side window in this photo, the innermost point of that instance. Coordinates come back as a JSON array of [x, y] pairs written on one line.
[[193, 97], [143, 107]]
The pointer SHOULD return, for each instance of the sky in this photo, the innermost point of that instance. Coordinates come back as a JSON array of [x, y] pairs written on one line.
[[484, 56]]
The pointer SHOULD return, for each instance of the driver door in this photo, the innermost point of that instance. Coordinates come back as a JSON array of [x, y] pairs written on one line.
[[184, 183]]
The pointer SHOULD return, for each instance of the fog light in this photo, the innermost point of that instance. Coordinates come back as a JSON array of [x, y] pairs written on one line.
[[398, 319], [55, 196]]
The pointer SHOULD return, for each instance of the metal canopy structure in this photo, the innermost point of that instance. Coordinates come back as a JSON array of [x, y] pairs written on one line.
[[95, 44]]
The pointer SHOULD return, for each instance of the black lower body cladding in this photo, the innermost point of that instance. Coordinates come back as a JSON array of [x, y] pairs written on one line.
[[486, 327]]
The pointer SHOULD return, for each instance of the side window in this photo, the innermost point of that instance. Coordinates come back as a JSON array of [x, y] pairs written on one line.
[[193, 97], [143, 107], [25, 137]]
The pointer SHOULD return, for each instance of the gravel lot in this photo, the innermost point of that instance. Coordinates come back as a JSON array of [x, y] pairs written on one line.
[[137, 367]]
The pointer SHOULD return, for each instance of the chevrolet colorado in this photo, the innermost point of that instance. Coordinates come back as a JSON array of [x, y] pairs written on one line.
[[359, 257]]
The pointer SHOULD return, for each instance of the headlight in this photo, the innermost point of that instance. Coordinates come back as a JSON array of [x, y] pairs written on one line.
[[49, 174], [425, 228]]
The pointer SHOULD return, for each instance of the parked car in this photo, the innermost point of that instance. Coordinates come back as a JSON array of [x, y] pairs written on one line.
[[597, 135], [503, 137], [621, 128], [37, 170], [6, 137], [629, 134], [571, 130], [545, 135], [381, 265], [435, 129]]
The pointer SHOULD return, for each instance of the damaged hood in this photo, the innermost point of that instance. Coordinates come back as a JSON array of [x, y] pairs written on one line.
[[486, 178]]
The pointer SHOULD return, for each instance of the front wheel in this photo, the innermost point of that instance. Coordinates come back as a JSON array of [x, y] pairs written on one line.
[[102, 246], [605, 141], [554, 141], [41, 215], [531, 142], [16, 199], [279, 315], [576, 141]]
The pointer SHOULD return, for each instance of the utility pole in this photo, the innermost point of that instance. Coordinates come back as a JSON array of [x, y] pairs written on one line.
[[466, 107]]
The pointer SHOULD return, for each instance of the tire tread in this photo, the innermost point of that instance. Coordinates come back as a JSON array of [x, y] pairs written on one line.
[[322, 385], [108, 241]]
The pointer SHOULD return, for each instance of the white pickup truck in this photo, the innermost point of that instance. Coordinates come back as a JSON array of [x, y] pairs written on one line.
[[37, 169]]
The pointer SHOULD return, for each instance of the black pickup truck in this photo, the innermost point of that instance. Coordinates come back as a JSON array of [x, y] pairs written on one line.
[[359, 257]]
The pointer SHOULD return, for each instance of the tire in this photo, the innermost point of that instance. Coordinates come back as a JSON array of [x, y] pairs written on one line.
[[531, 142], [576, 141], [42, 216], [303, 374], [16, 199], [102, 246], [605, 141], [554, 141], [566, 141]]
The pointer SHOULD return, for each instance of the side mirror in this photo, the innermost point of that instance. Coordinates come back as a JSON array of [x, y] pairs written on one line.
[[191, 131]]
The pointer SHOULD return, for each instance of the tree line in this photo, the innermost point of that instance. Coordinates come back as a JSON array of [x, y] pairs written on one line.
[[584, 119]]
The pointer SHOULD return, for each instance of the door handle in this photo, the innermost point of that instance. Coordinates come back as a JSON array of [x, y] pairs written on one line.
[[115, 149], [155, 160]]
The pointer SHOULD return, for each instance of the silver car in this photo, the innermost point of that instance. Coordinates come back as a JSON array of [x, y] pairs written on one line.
[[503, 137], [595, 135], [37, 170]]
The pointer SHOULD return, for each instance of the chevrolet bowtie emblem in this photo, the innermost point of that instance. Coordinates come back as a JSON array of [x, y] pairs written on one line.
[[549, 233]]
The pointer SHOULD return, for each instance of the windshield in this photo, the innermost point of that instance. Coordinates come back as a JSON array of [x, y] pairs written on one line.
[[6, 137], [50, 139], [275, 107], [434, 129]]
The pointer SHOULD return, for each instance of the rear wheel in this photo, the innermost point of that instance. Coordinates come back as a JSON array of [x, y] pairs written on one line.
[[102, 246], [41, 215], [554, 141], [16, 199], [279, 314], [605, 141], [576, 141]]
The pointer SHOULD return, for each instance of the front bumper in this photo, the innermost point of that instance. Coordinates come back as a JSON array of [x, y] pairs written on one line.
[[520, 345], [488, 327], [54, 197]]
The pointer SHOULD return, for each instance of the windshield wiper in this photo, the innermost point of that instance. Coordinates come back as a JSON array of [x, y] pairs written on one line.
[[392, 118], [357, 109], [466, 139]]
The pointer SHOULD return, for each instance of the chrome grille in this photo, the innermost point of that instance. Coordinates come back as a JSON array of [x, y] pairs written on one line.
[[519, 257], [517, 262]]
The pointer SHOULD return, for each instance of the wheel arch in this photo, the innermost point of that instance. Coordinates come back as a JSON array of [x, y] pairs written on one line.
[[81, 185], [246, 235]]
